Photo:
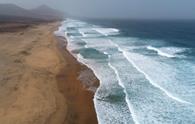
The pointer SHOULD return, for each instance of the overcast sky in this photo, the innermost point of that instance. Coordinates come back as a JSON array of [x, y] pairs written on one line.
[[158, 9]]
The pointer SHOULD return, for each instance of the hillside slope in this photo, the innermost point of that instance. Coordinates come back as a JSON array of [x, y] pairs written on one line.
[[13, 13]]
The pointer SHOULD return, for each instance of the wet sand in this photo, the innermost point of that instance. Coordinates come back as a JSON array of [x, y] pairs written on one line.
[[73, 84], [40, 80]]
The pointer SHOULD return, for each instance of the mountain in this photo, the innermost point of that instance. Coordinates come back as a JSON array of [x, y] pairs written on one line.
[[12, 12], [48, 13]]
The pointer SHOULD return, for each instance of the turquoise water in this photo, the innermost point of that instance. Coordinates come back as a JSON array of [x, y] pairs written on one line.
[[143, 79]]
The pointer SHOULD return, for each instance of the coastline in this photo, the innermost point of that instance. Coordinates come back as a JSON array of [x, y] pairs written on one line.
[[79, 98], [40, 80]]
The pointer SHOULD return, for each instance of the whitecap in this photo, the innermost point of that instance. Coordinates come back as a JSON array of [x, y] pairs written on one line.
[[169, 52], [161, 53], [131, 109], [107, 31], [127, 55]]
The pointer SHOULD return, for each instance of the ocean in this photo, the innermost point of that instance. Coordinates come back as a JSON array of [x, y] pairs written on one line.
[[146, 68]]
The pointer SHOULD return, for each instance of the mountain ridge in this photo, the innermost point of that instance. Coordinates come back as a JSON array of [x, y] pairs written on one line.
[[9, 12]]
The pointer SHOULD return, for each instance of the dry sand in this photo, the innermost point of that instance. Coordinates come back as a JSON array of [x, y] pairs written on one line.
[[39, 83]]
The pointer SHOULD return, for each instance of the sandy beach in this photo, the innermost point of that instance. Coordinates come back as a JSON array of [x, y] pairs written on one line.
[[40, 81]]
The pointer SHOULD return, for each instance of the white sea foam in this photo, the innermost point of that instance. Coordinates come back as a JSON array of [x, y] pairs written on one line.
[[74, 23], [161, 53], [98, 43], [82, 33], [131, 109], [127, 56], [107, 31], [154, 84], [169, 52], [175, 50], [105, 53], [60, 31], [107, 73], [98, 104], [101, 106]]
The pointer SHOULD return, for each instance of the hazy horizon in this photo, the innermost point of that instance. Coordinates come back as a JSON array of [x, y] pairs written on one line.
[[125, 9]]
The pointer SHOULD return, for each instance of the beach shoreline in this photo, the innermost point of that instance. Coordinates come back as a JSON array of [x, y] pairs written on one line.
[[40, 80], [79, 96]]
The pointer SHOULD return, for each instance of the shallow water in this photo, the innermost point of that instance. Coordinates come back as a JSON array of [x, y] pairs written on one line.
[[144, 79]]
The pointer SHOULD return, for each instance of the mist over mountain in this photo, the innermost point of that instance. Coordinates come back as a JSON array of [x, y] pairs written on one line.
[[48, 13], [12, 12]]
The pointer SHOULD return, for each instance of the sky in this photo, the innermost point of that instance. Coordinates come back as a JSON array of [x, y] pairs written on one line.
[[127, 9]]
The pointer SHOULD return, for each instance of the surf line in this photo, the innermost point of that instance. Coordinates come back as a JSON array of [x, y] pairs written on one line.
[[134, 117], [160, 52], [148, 78]]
